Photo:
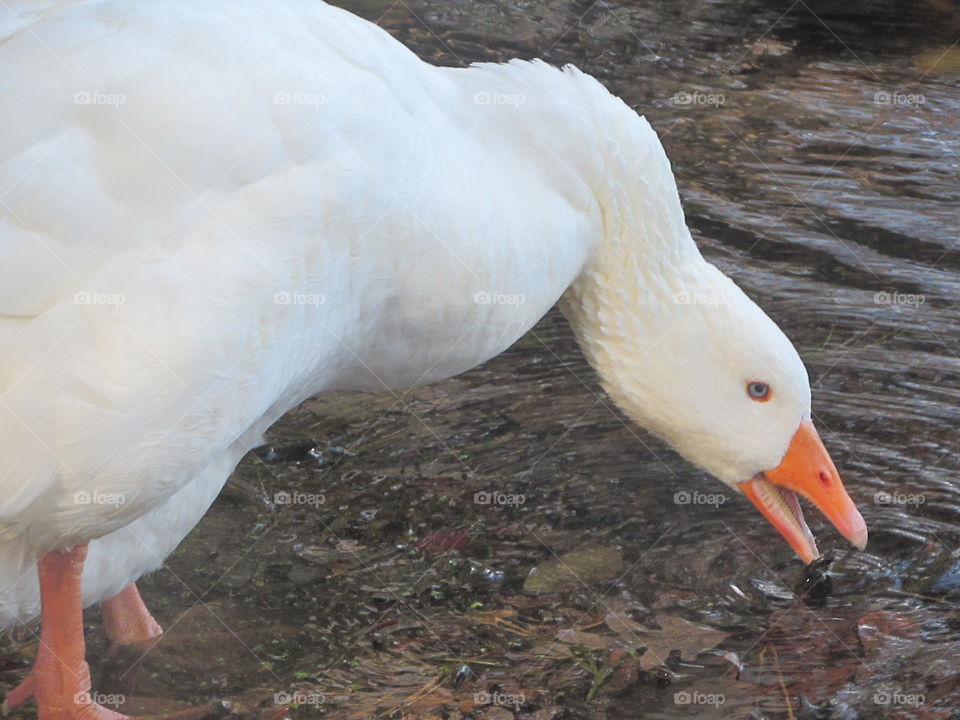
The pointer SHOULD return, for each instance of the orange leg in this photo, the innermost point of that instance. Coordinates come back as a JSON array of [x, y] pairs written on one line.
[[127, 620], [19, 695], [60, 680]]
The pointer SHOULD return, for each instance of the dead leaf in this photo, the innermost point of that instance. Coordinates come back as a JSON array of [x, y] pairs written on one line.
[[674, 633], [588, 640], [678, 634], [621, 623]]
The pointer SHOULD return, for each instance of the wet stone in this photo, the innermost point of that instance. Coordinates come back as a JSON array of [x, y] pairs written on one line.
[[575, 569]]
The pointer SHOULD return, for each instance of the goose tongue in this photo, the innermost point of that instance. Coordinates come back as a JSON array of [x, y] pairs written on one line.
[[806, 469]]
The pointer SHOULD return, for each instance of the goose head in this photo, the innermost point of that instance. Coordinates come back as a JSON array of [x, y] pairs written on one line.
[[689, 356]]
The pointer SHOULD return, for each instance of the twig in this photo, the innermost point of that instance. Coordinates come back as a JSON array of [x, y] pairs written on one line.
[[783, 685]]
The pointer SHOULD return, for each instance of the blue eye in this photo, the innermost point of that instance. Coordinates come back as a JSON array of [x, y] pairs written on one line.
[[758, 391]]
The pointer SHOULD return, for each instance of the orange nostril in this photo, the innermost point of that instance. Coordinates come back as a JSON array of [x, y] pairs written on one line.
[[824, 479]]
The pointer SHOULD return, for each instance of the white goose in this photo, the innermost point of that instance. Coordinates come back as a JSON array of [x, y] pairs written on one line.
[[211, 211]]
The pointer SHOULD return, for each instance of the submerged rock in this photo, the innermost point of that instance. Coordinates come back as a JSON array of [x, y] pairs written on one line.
[[569, 571]]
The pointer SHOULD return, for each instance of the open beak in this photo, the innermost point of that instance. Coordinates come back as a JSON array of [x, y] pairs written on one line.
[[806, 469]]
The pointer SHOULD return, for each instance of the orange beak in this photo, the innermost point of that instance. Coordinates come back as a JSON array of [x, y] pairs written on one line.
[[806, 469]]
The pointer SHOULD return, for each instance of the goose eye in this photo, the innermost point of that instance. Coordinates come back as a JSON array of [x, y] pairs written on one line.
[[758, 391]]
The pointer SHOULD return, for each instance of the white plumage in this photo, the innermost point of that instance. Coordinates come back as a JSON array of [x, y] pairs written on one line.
[[211, 211]]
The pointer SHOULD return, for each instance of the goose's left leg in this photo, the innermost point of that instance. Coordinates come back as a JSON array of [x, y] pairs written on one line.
[[126, 621]]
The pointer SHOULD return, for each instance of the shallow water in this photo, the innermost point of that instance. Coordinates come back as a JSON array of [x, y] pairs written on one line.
[[817, 150]]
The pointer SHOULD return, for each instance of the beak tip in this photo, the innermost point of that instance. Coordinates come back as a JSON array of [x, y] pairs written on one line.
[[860, 539], [857, 534]]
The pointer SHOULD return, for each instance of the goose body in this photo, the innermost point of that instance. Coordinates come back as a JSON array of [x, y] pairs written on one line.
[[309, 255], [210, 212]]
